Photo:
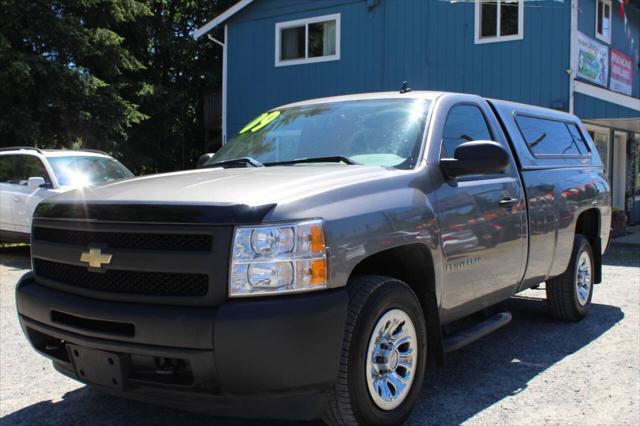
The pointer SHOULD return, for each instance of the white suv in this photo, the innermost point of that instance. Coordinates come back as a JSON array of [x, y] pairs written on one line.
[[30, 175]]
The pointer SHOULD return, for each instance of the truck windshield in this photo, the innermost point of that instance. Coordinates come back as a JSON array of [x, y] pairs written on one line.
[[380, 132], [90, 170]]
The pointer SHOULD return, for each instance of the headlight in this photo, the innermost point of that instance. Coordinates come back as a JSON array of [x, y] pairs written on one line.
[[277, 259]]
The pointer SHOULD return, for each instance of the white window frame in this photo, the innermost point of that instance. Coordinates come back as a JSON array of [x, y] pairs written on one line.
[[600, 36], [498, 37], [305, 22], [606, 132]]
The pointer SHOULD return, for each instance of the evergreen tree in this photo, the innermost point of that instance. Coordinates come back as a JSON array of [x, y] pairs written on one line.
[[64, 72], [124, 76]]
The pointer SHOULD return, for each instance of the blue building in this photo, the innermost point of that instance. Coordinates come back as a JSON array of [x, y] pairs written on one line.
[[581, 56]]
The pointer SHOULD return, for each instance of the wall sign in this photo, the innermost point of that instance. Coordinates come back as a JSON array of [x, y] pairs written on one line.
[[593, 60], [621, 72]]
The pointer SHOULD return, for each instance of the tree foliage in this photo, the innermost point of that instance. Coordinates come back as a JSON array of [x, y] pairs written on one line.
[[124, 76]]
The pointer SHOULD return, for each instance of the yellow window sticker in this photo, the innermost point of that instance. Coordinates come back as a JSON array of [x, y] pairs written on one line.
[[261, 121]]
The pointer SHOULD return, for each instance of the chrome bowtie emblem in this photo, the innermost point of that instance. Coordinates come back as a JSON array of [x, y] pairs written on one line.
[[95, 258]]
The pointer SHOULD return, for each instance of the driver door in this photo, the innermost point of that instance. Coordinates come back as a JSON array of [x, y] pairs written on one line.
[[482, 237]]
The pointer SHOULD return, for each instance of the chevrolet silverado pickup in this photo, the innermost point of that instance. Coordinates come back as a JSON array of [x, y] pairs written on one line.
[[322, 259]]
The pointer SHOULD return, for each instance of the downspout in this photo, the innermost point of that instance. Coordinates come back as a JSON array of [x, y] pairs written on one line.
[[573, 52], [224, 81]]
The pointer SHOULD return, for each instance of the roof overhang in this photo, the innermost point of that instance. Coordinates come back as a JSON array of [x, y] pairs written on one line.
[[221, 18], [607, 95], [625, 124]]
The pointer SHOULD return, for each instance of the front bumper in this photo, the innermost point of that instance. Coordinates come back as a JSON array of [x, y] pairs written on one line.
[[270, 357]]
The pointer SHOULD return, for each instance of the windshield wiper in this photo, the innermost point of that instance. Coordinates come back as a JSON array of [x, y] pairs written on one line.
[[330, 159], [242, 160]]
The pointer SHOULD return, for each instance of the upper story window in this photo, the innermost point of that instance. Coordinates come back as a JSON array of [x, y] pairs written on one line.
[[603, 20], [499, 20], [308, 40]]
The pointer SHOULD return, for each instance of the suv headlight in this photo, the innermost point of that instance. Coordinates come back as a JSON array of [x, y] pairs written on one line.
[[277, 259]]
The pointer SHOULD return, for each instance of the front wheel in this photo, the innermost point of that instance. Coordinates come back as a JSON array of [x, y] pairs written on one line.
[[569, 295], [383, 354]]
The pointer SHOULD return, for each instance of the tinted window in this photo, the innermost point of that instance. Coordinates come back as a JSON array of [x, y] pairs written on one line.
[[550, 137], [17, 169], [464, 123], [581, 144]]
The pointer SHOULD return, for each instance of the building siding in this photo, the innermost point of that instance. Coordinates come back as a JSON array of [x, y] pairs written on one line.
[[588, 107], [429, 43]]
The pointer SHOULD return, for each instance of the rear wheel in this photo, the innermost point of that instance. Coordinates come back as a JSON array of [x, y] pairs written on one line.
[[569, 295], [383, 355]]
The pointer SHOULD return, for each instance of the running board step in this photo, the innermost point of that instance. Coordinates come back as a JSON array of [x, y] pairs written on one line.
[[475, 332]]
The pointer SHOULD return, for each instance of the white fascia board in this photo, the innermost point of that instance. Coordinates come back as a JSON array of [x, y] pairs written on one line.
[[221, 18], [608, 95]]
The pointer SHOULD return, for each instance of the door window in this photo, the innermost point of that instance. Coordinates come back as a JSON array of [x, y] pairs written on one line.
[[465, 123], [17, 169]]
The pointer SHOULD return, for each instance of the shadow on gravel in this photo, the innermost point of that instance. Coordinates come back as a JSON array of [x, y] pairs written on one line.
[[473, 379], [622, 256], [15, 256], [502, 363], [89, 407]]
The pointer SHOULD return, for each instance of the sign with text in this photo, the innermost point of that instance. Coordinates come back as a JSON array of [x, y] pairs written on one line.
[[621, 72], [593, 60]]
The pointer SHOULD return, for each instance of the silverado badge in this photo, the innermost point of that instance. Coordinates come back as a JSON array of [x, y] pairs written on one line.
[[95, 258]]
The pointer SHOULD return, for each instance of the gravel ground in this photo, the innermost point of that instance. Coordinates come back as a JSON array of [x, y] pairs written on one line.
[[534, 371]]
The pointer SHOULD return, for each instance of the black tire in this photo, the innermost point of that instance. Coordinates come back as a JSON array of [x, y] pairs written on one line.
[[370, 298], [562, 294]]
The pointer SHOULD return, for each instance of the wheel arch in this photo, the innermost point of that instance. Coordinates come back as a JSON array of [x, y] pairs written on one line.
[[414, 265], [588, 224]]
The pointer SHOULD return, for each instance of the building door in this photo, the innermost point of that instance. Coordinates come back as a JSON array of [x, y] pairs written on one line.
[[601, 137], [619, 172]]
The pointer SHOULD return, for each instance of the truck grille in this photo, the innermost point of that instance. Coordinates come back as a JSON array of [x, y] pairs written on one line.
[[135, 241], [128, 282], [170, 264]]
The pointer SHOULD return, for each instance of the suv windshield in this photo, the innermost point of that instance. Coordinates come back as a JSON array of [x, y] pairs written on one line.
[[380, 132], [90, 170]]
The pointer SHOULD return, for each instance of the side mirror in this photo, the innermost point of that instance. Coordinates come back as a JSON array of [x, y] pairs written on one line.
[[204, 158], [476, 158], [35, 183]]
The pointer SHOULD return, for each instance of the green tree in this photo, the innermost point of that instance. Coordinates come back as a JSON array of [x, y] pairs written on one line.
[[124, 76], [65, 73], [179, 71]]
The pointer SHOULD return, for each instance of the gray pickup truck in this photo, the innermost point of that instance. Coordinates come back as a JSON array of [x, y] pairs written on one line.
[[322, 259]]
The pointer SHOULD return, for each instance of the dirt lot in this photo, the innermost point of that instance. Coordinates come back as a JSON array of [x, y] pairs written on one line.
[[534, 371]]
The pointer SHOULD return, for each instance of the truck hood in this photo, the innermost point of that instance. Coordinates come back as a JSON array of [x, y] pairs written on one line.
[[224, 187]]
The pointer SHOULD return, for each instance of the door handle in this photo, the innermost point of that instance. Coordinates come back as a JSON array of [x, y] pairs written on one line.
[[16, 199], [508, 202]]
